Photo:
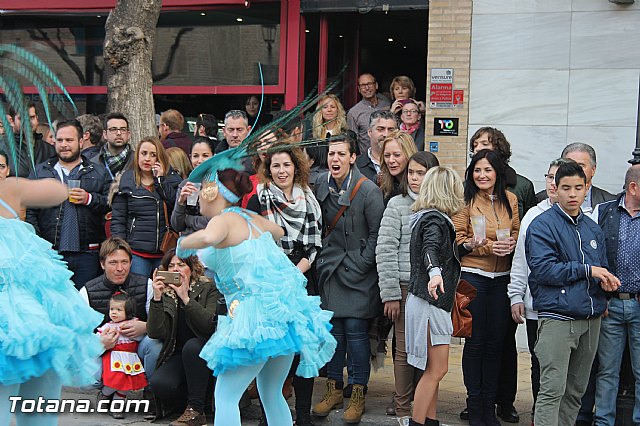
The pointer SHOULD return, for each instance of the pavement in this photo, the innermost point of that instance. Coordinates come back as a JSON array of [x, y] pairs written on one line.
[[451, 399]]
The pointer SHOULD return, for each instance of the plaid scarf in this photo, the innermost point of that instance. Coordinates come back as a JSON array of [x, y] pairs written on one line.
[[301, 217], [116, 163]]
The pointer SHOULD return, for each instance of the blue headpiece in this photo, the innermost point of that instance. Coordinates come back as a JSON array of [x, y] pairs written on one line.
[[208, 171]]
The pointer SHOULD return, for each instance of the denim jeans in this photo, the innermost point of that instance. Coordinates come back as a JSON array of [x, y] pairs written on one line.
[[143, 266], [84, 265], [623, 322], [353, 340], [482, 354]]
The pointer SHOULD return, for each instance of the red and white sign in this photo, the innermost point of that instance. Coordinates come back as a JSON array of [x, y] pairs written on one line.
[[441, 95], [458, 97]]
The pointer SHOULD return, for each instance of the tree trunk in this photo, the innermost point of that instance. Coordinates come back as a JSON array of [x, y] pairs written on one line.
[[128, 46]]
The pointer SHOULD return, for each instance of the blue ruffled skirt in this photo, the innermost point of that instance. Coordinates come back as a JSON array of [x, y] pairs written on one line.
[[274, 316], [44, 322]]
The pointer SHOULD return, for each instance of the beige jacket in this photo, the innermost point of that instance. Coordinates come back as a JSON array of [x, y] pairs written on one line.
[[496, 217]]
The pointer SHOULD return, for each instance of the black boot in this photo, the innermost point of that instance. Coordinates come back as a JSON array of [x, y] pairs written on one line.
[[414, 423], [303, 419], [476, 415], [489, 413], [431, 422]]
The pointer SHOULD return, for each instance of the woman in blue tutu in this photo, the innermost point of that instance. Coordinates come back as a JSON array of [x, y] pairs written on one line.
[[46, 329], [270, 316]]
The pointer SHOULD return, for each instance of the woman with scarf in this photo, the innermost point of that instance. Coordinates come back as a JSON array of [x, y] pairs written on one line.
[[394, 267], [411, 122], [284, 197]]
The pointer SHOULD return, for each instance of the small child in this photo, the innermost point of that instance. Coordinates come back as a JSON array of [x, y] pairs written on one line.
[[122, 369]]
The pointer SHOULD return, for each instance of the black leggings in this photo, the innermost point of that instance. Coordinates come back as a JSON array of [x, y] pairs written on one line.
[[185, 373]]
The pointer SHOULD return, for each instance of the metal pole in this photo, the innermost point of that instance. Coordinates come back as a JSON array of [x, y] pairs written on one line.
[[636, 152]]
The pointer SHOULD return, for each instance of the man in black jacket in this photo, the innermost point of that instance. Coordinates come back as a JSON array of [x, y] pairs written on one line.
[[41, 149], [75, 227], [115, 259]]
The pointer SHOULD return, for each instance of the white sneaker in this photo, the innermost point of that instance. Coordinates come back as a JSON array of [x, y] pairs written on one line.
[[403, 421]]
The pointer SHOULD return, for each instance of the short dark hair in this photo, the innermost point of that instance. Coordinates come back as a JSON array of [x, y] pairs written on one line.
[[570, 168], [345, 138], [210, 123], [381, 114], [115, 116], [129, 303], [70, 123]]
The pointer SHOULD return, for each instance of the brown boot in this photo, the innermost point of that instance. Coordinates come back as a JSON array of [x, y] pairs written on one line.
[[355, 409], [332, 399], [190, 417]]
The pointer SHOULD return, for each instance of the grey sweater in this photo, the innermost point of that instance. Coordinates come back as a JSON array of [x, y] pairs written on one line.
[[392, 250]]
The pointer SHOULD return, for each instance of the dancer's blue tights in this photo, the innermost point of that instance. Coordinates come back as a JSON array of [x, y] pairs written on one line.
[[270, 377], [47, 386]]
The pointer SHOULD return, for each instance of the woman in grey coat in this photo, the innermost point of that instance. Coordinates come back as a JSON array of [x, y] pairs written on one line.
[[347, 277], [394, 268]]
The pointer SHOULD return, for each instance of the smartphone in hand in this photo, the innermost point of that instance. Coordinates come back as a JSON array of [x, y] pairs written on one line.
[[170, 277]]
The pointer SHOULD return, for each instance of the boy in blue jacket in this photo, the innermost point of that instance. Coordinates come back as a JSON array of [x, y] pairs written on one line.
[[566, 254]]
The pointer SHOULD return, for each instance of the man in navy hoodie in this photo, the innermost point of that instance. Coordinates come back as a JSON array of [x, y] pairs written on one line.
[[566, 255]]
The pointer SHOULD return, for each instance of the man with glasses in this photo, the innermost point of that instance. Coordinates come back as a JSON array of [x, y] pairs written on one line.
[[236, 129], [116, 154], [358, 117]]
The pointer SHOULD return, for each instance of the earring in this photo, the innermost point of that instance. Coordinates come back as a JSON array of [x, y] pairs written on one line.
[[210, 192]]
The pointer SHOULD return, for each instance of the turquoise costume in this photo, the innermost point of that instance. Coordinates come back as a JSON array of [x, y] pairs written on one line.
[[44, 323], [270, 313]]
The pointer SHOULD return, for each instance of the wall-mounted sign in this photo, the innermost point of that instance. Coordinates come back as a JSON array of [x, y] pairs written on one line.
[[445, 126], [441, 88], [441, 95], [442, 75], [433, 146], [458, 98]]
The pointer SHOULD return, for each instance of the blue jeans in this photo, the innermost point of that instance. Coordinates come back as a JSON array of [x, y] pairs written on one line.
[[353, 340], [143, 266], [482, 354], [623, 322], [84, 265]]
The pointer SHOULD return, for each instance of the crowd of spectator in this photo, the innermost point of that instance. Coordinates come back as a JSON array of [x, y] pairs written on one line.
[[383, 232]]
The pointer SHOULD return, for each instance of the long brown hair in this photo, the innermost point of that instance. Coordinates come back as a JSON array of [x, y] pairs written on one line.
[[161, 156]]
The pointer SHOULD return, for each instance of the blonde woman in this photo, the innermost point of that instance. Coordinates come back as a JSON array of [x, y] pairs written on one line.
[[434, 260], [179, 161], [138, 211], [329, 118], [397, 148]]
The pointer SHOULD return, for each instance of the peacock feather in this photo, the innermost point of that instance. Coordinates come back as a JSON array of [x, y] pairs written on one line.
[[17, 67], [270, 134]]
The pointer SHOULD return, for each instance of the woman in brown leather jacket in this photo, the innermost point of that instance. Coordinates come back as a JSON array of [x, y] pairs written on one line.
[[486, 268]]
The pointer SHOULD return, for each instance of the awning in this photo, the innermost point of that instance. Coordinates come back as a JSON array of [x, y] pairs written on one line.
[[80, 6]]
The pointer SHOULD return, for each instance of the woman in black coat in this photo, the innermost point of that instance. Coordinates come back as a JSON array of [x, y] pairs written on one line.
[[138, 207]]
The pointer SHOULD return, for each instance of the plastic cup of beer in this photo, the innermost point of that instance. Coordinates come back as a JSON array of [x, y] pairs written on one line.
[[503, 234], [192, 199], [72, 183], [478, 223]]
